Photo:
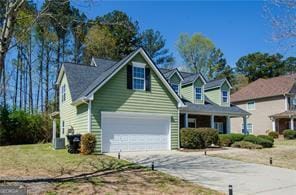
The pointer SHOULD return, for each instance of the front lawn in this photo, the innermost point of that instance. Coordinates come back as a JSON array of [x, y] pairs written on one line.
[[47, 171], [283, 154]]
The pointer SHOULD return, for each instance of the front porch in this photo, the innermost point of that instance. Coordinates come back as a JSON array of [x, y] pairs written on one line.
[[283, 121], [212, 116]]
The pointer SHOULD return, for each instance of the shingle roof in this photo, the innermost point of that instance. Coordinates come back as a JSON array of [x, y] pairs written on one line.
[[286, 114], [262, 88], [214, 83], [213, 109], [79, 77]]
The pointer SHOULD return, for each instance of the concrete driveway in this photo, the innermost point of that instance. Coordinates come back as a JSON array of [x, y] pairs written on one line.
[[217, 173]]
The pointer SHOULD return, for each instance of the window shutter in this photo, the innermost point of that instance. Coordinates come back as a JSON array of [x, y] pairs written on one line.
[[129, 77], [147, 79]]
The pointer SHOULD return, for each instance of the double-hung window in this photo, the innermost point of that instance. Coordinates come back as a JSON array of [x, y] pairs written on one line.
[[63, 93], [198, 93], [251, 105], [138, 78], [175, 88], [225, 96]]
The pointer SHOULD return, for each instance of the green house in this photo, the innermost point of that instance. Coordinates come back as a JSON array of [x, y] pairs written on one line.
[[131, 105]]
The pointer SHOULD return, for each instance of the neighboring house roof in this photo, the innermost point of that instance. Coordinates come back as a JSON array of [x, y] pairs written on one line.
[[214, 109], [85, 79], [262, 88]]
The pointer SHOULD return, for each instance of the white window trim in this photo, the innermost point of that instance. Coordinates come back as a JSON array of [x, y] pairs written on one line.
[[251, 108], [63, 93], [227, 102], [139, 65], [192, 120]]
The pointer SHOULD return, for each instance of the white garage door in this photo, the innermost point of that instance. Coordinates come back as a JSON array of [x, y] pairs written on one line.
[[135, 132]]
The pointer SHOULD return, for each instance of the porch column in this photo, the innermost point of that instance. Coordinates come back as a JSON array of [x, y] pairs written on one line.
[[186, 120], [228, 124], [292, 123], [212, 121], [54, 130], [245, 125], [273, 125]]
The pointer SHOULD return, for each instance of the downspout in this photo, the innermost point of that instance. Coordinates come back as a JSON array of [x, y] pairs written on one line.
[[88, 114]]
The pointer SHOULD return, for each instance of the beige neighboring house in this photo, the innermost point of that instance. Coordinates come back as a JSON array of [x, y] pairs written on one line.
[[271, 102]]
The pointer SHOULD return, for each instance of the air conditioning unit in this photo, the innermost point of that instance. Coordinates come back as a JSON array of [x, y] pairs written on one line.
[[59, 143]]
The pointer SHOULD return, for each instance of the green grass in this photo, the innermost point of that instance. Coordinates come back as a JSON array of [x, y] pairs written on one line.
[[40, 160]]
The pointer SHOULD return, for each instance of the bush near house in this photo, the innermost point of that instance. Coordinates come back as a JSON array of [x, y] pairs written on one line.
[[247, 145], [228, 139], [274, 134], [20, 127], [88, 143], [198, 138], [267, 137], [259, 140], [289, 134]]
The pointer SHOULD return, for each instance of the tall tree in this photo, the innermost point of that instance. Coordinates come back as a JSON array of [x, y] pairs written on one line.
[[218, 67], [99, 42], [260, 65], [154, 43], [79, 30], [123, 29], [195, 51], [8, 19], [290, 65]]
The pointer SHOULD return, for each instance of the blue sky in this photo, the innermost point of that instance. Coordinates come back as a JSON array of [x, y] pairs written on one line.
[[237, 27]]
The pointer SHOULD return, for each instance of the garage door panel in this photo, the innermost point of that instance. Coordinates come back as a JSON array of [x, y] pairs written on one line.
[[134, 133]]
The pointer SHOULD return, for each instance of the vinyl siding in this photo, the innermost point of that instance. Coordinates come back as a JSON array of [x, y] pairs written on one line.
[[175, 79], [115, 97], [187, 93], [214, 95], [72, 116]]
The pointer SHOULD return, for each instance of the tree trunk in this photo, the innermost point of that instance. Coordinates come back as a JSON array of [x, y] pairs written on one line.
[[31, 104], [47, 78], [17, 76], [40, 91], [21, 82]]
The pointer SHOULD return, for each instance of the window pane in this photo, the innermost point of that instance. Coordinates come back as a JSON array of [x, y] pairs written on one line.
[[138, 72], [225, 96], [138, 84], [198, 93], [175, 88]]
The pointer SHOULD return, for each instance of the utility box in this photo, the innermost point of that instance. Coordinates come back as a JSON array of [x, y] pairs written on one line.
[[59, 143]]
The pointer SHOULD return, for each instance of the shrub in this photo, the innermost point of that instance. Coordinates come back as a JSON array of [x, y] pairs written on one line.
[[259, 140], [19, 127], [266, 137], [88, 143], [198, 138], [235, 137], [247, 145], [289, 134], [273, 134], [225, 140]]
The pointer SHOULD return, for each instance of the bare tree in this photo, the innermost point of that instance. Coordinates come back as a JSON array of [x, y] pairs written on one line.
[[282, 16]]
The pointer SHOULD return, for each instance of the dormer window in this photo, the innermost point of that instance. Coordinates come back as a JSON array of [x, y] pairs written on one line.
[[138, 78], [198, 93], [225, 96], [175, 88]]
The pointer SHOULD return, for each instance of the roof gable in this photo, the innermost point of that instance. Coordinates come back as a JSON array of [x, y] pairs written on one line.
[[108, 71]]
